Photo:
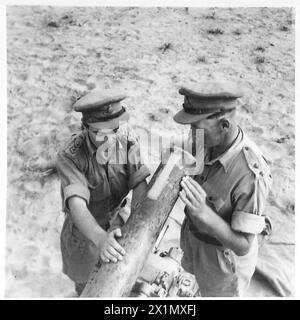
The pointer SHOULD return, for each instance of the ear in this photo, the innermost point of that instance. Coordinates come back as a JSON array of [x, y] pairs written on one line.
[[225, 124]]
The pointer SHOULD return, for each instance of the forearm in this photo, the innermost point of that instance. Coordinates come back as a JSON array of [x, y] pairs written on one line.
[[220, 229], [138, 194], [84, 220]]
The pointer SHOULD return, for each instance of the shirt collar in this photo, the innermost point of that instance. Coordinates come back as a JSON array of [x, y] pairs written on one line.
[[228, 156]]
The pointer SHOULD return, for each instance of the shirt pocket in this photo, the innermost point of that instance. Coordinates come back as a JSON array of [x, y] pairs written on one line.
[[226, 260], [99, 187], [80, 248], [212, 198], [214, 202], [78, 240], [118, 177], [74, 243]]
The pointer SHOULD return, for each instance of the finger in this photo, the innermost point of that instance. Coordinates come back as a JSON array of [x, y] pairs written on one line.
[[185, 200], [197, 186], [112, 251], [193, 188], [103, 258], [114, 243], [109, 256], [117, 232], [181, 196], [189, 193]]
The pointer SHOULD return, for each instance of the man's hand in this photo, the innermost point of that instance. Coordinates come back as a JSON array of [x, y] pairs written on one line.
[[193, 197], [110, 249], [208, 221]]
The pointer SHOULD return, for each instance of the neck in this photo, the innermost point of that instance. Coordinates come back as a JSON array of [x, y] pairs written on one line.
[[227, 143]]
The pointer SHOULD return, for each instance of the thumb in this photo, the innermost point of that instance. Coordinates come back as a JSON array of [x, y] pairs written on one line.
[[117, 232]]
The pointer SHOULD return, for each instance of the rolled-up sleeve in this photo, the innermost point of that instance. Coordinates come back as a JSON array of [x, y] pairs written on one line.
[[73, 181], [137, 170], [249, 202]]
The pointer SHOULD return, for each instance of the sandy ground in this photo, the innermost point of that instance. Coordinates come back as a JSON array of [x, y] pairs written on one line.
[[57, 54]]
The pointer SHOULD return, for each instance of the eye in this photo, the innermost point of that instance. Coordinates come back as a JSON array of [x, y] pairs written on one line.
[[94, 131]]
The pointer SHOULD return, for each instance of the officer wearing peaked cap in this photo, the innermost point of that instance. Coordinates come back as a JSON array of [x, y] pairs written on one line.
[[209, 98], [97, 169], [102, 106], [224, 204]]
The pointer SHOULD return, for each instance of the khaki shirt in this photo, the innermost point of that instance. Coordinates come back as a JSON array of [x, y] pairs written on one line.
[[237, 184], [102, 186]]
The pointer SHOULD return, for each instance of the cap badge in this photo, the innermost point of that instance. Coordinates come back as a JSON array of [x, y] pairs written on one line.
[[109, 109]]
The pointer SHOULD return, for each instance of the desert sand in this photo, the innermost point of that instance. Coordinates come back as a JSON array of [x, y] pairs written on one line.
[[56, 54]]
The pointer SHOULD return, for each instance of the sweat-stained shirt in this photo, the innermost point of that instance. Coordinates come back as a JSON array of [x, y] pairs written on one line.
[[102, 186], [237, 184]]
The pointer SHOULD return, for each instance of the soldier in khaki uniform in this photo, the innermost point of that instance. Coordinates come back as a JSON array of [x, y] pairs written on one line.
[[224, 203], [97, 168]]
